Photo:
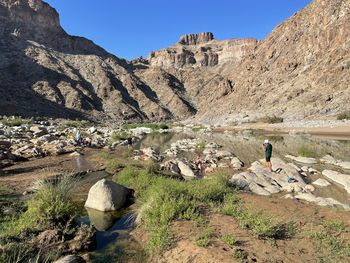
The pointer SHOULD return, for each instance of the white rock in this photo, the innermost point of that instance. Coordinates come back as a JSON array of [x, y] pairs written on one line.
[[309, 188], [92, 129], [309, 197], [305, 169], [342, 179], [328, 159], [107, 195], [301, 159], [289, 196], [321, 182], [186, 171], [236, 163]]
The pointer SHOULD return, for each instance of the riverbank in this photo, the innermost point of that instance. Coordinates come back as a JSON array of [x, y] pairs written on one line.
[[325, 128]]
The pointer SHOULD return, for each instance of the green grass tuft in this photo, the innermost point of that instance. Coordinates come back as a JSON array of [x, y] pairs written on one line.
[[204, 237], [305, 152], [344, 116], [229, 240], [52, 204]]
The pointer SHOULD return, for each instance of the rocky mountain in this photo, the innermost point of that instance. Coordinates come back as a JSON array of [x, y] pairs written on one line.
[[46, 72], [300, 70], [198, 50]]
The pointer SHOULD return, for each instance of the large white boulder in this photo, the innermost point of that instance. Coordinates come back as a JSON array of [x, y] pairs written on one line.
[[107, 195]]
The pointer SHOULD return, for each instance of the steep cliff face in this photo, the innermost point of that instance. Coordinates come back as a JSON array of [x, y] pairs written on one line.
[[44, 71], [202, 50], [301, 69]]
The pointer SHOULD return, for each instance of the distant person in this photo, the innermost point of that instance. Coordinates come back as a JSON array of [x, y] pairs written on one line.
[[78, 137], [267, 146]]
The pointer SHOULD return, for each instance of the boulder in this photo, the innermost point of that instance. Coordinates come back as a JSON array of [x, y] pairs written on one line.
[[236, 163], [38, 131], [223, 154], [92, 130], [262, 182], [342, 179], [107, 195], [186, 171]]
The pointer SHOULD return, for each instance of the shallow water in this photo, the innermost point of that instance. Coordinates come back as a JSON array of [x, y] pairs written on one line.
[[248, 147]]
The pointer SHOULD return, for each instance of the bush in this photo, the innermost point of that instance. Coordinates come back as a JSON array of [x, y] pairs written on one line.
[[74, 124], [271, 119], [17, 121], [344, 116], [118, 136]]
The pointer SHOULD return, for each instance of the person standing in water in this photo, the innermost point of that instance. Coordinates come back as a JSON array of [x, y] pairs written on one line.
[[267, 146]]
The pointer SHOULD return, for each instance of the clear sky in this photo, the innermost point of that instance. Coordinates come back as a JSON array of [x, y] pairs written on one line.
[[133, 28]]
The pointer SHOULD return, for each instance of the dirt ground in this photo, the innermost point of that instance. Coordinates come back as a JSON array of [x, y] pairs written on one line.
[[300, 248], [22, 176]]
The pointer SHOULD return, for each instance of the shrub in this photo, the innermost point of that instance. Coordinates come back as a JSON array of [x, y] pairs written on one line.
[[118, 135], [271, 119], [17, 121], [344, 116], [74, 124], [52, 204]]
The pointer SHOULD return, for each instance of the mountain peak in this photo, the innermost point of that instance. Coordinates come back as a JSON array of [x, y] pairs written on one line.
[[195, 39]]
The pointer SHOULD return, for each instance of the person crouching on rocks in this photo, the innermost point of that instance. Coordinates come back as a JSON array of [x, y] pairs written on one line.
[[268, 153]]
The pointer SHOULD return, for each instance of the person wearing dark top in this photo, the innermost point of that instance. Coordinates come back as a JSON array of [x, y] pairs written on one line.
[[268, 153]]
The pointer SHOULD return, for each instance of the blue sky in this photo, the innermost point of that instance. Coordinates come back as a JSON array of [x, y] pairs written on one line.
[[133, 28]]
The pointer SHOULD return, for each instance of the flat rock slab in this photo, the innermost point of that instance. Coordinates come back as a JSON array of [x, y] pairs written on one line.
[[321, 182], [342, 179], [309, 197], [328, 159], [301, 159]]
